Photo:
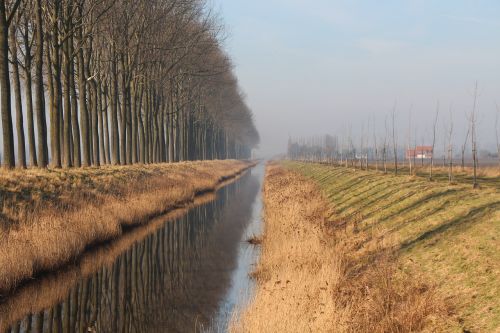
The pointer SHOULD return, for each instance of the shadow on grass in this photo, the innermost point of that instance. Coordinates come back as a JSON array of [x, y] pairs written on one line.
[[419, 202], [362, 195], [441, 207], [474, 215]]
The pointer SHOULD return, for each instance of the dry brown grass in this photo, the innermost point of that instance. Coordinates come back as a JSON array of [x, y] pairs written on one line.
[[312, 277], [382, 298], [50, 217], [488, 170], [481, 171], [295, 286]]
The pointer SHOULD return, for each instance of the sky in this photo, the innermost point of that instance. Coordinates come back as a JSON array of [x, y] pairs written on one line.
[[322, 66]]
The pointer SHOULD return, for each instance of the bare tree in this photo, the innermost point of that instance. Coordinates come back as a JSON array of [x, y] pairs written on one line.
[[496, 133], [41, 122], [464, 145], [21, 148], [351, 149], [415, 152], [27, 36], [433, 141], [375, 146], [362, 147], [409, 142], [394, 143], [472, 120], [5, 88], [422, 153], [445, 144], [384, 149], [450, 148]]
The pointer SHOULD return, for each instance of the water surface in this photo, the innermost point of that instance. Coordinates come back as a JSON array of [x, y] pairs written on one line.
[[185, 274]]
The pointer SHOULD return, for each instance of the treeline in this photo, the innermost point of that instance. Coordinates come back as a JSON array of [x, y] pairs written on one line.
[[368, 150], [317, 148], [117, 82], [370, 146], [332, 150]]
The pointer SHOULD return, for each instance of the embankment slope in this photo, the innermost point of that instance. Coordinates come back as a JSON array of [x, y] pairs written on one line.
[[448, 235], [311, 277]]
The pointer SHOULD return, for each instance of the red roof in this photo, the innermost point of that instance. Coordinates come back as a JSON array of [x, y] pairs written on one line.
[[424, 148]]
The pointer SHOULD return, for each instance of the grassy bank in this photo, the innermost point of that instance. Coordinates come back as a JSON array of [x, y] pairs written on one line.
[[447, 235], [311, 277], [293, 285], [487, 176], [49, 217]]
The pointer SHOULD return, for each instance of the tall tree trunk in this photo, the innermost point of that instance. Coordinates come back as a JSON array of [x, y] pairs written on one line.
[[67, 139], [54, 78], [5, 102], [84, 116], [142, 138], [147, 132], [129, 120], [123, 114], [77, 149], [150, 127], [87, 52], [39, 92], [162, 134], [106, 126], [102, 155], [50, 86], [29, 94], [29, 113], [177, 138], [171, 131], [134, 126], [95, 132], [21, 148], [115, 148], [156, 132]]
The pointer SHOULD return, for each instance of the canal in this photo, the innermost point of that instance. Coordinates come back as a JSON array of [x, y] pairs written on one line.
[[184, 272]]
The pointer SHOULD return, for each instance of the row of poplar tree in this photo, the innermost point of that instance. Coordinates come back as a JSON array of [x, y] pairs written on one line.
[[94, 82]]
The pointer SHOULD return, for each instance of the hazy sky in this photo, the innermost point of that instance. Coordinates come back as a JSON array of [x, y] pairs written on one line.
[[319, 66]]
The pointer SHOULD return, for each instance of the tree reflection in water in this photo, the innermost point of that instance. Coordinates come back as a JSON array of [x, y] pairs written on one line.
[[172, 279]]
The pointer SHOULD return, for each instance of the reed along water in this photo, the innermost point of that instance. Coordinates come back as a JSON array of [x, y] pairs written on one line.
[[182, 274]]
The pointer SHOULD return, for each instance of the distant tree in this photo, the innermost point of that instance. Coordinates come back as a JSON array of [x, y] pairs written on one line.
[[450, 147], [464, 145], [496, 133], [375, 146], [415, 147], [362, 147], [394, 140], [384, 149], [409, 141], [434, 127], [472, 120], [445, 144]]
